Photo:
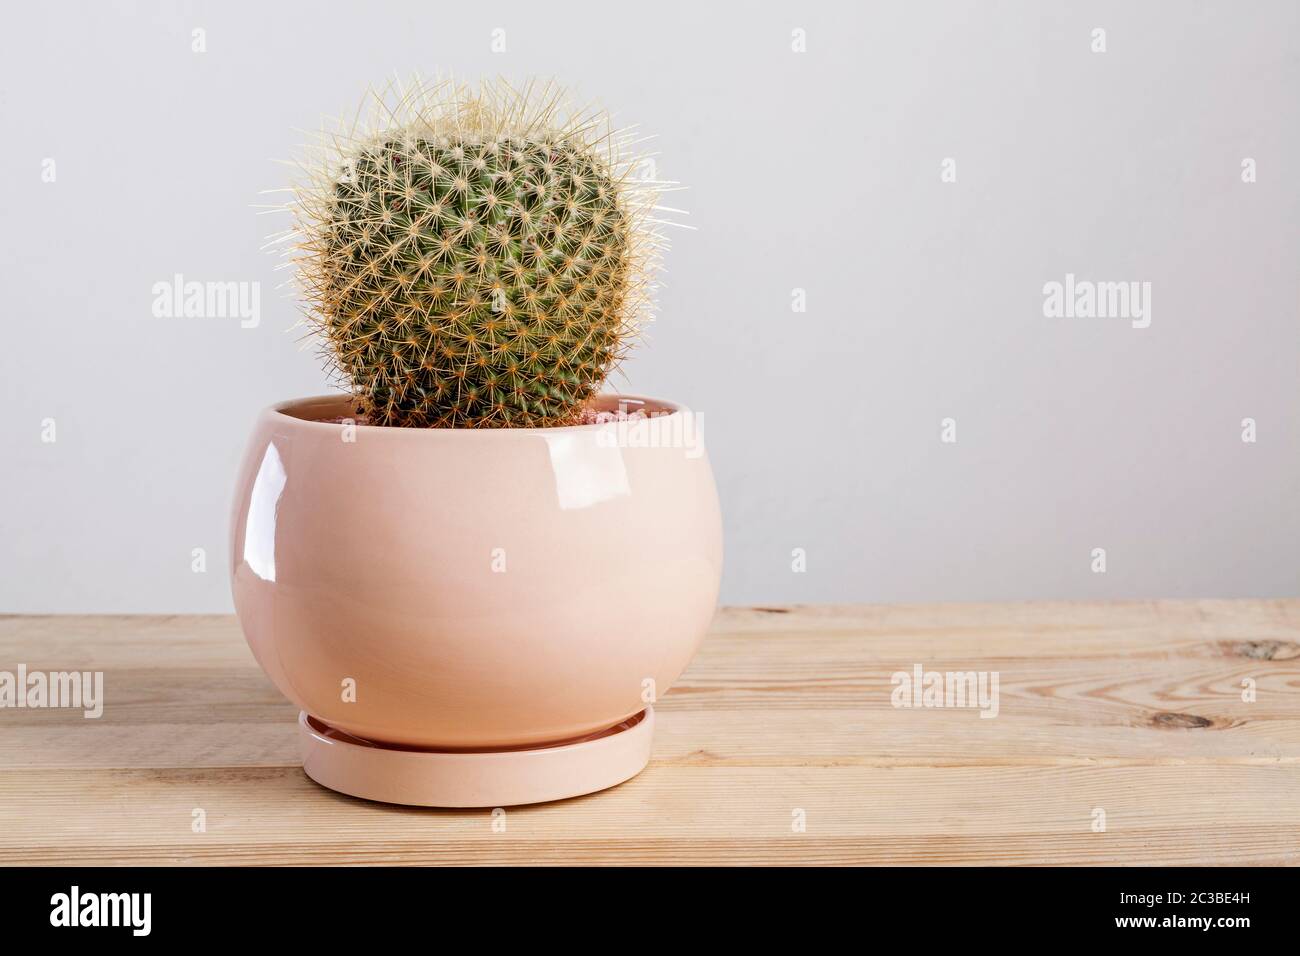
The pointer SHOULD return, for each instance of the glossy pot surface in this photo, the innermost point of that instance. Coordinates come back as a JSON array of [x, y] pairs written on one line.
[[474, 588]]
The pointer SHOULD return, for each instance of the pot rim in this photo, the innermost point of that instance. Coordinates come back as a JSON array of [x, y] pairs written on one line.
[[281, 412]]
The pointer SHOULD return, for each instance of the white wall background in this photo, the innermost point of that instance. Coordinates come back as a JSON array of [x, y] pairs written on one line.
[[817, 170]]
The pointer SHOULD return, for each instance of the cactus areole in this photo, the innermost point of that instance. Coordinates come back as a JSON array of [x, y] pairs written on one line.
[[478, 257]]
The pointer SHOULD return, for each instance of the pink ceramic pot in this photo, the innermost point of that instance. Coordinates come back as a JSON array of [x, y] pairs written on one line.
[[479, 588]]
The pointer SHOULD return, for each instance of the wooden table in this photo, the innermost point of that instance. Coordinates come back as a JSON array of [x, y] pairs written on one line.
[[779, 745]]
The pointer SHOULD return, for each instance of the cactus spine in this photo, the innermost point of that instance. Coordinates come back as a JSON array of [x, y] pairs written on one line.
[[477, 257]]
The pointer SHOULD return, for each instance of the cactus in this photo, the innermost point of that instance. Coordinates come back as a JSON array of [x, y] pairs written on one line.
[[477, 257]]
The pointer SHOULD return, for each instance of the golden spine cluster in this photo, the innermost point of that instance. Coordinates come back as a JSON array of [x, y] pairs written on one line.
[[475, 257]]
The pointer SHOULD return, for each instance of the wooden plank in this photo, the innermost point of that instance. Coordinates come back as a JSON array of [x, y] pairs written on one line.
[[697, 814], [1135, 709]]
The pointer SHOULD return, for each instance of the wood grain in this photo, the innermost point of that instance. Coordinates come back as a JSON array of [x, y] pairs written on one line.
[[1133, 708]]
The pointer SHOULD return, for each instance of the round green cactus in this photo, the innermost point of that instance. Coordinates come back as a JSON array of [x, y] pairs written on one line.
[[476, 261]]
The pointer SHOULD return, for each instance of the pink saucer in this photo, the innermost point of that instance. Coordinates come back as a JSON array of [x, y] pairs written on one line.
[[478, 778]]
